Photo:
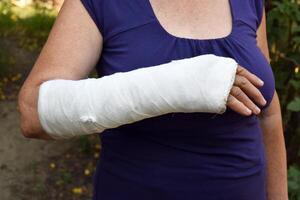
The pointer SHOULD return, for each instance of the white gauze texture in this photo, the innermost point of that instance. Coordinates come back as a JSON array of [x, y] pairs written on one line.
[[69, 108]]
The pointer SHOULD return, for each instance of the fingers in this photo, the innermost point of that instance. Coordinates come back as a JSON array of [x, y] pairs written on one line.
[[243, 83], [250, 76], [242, 97], [238, 106], [245, 89]]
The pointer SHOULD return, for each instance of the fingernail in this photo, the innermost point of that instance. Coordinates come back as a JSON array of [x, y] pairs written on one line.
[[248, 111], [264, 102], [257, 110], [261, 82]]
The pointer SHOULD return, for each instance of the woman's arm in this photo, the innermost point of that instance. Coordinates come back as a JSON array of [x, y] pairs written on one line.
[[271, 123], [70, 52]]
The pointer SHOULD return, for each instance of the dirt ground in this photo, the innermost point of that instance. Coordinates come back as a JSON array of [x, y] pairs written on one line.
[[32, 169], [20, 156]]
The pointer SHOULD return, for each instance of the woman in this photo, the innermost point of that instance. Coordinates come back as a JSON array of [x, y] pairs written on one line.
[[178, 155]]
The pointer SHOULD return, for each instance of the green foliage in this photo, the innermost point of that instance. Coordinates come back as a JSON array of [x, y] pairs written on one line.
[[85, 145], [5, 12], [294, 105], [283, 25], [294, 182], [66, 176], [29, 25]]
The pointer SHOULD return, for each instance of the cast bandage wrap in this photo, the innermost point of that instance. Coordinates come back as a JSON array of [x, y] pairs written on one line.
[[69, 108]]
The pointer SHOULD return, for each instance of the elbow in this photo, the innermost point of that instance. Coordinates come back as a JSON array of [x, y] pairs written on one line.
[[26, 131], [32, 131], [29, 122], [26, 124]]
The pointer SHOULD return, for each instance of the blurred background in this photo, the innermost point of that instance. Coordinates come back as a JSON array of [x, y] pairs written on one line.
[[40, 170]]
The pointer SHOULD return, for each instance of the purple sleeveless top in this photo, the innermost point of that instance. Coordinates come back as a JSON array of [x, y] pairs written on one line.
[[180, 155]]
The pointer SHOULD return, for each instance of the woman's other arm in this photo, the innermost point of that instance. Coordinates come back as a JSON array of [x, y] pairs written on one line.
[[271, 123], [71, 51]]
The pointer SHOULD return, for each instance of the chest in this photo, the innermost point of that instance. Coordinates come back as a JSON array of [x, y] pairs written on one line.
[[166, 29], [198, 19]]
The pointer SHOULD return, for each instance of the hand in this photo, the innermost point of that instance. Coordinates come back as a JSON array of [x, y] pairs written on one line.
[[245, 83]]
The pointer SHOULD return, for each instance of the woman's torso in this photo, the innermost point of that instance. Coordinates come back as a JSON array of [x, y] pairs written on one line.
[[178, 154]]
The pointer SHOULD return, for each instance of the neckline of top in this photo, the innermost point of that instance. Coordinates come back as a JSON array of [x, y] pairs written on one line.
[[196, 39]]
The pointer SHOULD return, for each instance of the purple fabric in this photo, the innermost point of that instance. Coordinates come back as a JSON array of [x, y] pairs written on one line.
[[180, 155]]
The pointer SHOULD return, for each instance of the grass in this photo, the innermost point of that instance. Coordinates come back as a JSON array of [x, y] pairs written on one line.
[[29, 25], [21, 30]]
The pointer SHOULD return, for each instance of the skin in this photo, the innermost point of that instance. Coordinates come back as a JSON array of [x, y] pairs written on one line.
[[75, 44]]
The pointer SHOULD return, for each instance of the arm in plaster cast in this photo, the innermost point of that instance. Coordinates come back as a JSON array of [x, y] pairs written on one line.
[[68, 108]]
